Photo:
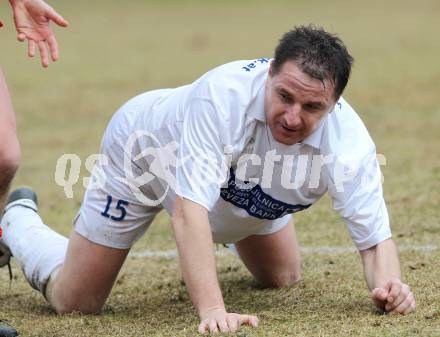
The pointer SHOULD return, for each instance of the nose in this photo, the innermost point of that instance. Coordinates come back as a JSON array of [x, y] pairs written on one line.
[[292, 117]]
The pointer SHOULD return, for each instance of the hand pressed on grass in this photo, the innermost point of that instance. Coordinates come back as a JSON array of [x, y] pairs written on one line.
[[394, 297], [218, 320]]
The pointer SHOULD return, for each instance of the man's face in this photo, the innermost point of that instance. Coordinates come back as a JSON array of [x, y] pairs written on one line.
[[295, 103]]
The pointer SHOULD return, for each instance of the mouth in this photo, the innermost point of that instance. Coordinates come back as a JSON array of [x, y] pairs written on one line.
[[286, 135], [289, 130]]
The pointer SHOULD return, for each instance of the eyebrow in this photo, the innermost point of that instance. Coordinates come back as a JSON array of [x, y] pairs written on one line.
[[317, 104]]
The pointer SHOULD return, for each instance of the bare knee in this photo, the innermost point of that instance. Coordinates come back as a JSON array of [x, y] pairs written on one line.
[[10, 156], [82, 305], [64, 301], [283, 279]]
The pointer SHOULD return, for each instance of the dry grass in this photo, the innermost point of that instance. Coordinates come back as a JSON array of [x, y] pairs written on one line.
[[113, 51]]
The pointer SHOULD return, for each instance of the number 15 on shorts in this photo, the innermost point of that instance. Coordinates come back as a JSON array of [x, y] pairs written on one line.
[[119, 212]]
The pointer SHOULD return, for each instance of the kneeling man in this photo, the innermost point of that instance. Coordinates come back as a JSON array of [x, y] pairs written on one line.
[[219, 155]]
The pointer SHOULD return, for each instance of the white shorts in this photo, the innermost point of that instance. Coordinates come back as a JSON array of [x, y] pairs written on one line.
[[111, 215]]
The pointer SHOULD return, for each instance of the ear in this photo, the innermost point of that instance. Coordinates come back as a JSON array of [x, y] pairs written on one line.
[[270, 69]]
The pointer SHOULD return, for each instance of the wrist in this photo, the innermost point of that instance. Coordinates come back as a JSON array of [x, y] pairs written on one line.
[[207, 311]]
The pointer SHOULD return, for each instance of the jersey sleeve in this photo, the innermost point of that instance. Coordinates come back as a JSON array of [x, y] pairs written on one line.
[[202, 158], [356, 191]]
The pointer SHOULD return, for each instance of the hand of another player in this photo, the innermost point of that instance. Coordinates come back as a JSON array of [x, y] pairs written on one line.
[[217, 319], [394, 297], [32, 21]]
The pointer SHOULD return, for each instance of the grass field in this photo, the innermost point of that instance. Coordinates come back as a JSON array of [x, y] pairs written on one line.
[[114, 50]]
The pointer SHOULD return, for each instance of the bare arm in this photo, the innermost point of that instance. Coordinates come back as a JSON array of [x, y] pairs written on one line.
[[383, 276], [194, 242]]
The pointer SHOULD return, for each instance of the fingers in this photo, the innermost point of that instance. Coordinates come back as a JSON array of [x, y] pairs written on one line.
[[57, 18], [202, 327], [411, 307], [53, 47], [394, 302], [394, 292], [223, 325], [1, 24], [229, 323], [43, 54], [406, 306], [21, 37], [212, 324], [249, 320], [208, 325], [379, 294], [31, 48], [232, 323], [39, 34], [395, 297]]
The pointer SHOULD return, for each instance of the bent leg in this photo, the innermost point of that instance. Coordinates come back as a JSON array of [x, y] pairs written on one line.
[[9, 161], [85, 280], [74, 275], [9, 146], [273, 259]]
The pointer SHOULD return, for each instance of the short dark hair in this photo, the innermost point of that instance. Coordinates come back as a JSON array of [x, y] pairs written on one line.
[[319, 54]]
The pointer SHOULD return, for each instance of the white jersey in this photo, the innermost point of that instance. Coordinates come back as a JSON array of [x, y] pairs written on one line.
[[226, 159]]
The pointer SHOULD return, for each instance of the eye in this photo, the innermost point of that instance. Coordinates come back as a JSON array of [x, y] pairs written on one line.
[[285, 97], [312, 107]]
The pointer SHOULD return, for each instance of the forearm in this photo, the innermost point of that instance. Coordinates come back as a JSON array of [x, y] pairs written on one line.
[[381, 264], [194, 243]]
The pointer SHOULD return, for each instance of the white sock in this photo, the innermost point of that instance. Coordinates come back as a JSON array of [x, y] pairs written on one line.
[[38, 249]]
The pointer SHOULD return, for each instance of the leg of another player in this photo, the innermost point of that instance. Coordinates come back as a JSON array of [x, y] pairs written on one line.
[[9, 146], [86, 278], [9, 160], [273, 259]]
